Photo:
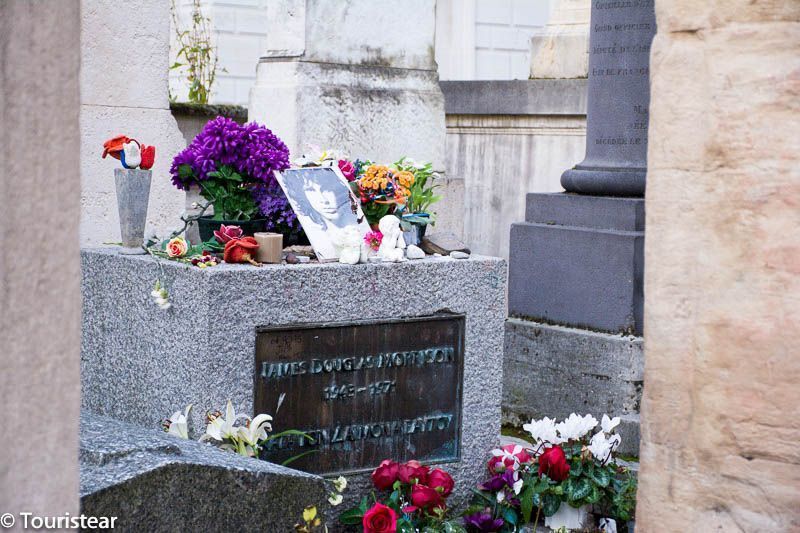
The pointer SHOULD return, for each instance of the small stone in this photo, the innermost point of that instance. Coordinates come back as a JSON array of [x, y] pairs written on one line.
[[303, 258], [292, 259], [414, 252], [459, 255]]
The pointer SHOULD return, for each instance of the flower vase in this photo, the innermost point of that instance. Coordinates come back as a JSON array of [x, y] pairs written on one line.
[[415, 234], [133, 195], [568, 517]]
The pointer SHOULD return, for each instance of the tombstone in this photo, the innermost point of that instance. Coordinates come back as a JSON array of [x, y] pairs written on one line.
[[576, 262], [374, 361]]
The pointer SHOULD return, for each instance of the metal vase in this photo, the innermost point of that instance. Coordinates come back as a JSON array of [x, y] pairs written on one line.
[[415, 234], [133, 195]]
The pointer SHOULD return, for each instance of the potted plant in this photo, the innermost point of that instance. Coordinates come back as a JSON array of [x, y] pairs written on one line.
[[233, 166], [415, 214], [567, 475]]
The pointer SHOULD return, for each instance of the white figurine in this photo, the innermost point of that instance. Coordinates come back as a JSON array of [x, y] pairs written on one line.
[[393, 245], [351, 245], [131, 156]]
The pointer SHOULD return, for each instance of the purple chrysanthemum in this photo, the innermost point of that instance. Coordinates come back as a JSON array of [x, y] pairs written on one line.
[[250, 149]]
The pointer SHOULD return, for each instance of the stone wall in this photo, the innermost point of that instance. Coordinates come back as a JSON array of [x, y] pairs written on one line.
[[722, 285], [39, 276], [124, 90], [505, 139]]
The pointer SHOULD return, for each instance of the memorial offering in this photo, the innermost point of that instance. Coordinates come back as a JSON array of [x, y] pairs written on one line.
[[325, 207], [232, 165], [568, 469]]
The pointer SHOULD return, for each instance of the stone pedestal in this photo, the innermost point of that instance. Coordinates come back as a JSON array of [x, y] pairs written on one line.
[[140, 364], [578, 260], [359, 77], [352, 76], [561, 49]]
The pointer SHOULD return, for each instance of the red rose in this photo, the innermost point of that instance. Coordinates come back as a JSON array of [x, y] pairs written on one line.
[[241, 250], [385, 475], [380, 519], [412, 470], [227, 233], [438, 478], [426, 497], [553, 463]]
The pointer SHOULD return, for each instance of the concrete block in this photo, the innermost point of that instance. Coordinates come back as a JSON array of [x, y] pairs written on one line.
[[554, 371], [581, 264]]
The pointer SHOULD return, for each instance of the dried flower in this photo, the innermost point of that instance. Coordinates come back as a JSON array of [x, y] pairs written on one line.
[[226, 233]]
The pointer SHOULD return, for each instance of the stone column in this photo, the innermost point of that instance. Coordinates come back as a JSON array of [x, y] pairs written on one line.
[[720, 410], [619, 95], [577, 262], [561, 49], [360, 77], [39, 269]]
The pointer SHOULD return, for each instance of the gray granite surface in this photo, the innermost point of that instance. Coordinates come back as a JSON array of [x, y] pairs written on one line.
[[140, 364], [152, 481]]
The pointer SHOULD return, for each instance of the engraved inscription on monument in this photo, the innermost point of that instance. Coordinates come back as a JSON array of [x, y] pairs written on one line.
[[364, 392]]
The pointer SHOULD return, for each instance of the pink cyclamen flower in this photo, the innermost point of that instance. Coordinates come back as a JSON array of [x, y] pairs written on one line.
[[373, 239], [227, 233]]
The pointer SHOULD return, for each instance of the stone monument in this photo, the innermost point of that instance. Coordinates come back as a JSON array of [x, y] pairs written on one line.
[[576, 263], [323, 347], [357, 77]]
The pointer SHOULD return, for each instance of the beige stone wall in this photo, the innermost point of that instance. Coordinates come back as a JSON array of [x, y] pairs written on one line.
[[39, 264], [721, 409]]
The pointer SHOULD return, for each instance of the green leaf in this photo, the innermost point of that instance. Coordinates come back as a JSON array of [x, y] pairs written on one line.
[[526, 502], [351, 517], [581, 488], [601, 476], [510, 516], [550, 504]]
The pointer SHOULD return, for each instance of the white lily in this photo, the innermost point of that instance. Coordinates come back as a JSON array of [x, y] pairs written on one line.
[[575, 426], [256, 430], [179, 423], [222, 427], [543, 431], [608, 424]]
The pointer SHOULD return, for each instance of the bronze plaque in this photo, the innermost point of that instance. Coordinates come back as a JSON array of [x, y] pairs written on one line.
[[364, 391]]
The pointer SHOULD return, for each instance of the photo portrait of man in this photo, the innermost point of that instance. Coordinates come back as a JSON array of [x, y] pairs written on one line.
[[324, 204]]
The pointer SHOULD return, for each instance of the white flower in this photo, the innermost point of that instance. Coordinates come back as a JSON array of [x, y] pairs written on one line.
[[575, 427], [608, 424], [543, 430], [517, 483], [256, 430], [335, 499], [340, 483], [222, 428], [179, 423], [509, 455], [601, 446]]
